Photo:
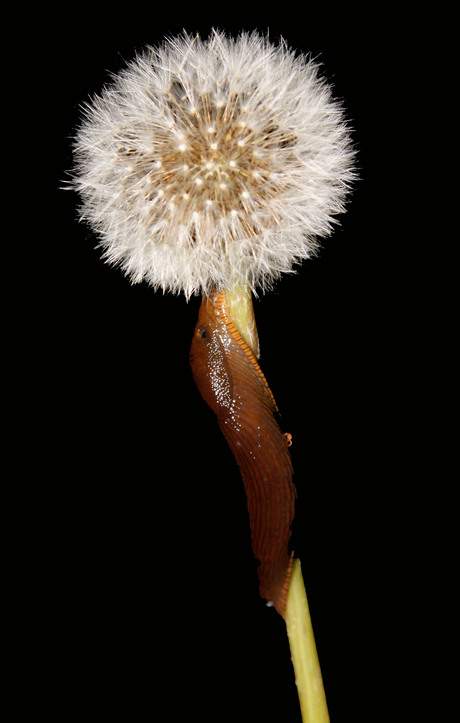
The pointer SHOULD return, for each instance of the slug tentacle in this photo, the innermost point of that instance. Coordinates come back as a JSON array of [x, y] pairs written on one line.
[[230, 380]]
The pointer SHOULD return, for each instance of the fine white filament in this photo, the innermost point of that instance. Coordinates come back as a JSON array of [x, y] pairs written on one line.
[[213, 162]]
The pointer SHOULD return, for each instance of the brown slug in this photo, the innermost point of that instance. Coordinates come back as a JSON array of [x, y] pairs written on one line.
[[230, 380]]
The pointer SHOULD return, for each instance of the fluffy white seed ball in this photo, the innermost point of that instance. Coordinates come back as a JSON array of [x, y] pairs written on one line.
[[207, 163]]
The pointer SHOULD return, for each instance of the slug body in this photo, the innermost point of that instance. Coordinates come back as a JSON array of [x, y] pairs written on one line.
[[230, 380]]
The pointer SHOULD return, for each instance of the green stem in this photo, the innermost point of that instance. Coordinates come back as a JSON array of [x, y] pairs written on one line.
[[299, 629], [304, 657], [241, 310]]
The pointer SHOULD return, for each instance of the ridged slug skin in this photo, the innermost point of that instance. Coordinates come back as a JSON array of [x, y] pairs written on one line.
[[230, 380]]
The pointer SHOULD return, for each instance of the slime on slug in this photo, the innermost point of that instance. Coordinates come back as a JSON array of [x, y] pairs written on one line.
[[230, 380]]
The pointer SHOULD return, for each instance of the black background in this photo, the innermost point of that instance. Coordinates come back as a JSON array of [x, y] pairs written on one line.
[[146, 585]]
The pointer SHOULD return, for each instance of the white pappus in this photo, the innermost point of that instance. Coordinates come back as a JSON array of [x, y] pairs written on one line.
[[207, 163]]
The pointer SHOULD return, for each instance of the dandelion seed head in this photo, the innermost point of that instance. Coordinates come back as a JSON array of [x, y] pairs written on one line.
[[212, 162]]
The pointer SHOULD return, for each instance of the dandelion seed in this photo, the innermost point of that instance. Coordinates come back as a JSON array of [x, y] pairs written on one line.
[[240, 125]]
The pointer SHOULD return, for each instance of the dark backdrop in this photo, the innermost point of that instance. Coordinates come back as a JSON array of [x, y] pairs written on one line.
[[143, 558]]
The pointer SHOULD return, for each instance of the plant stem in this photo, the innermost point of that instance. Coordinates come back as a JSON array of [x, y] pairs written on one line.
[[241, 310], [299, 628], [304, 657]]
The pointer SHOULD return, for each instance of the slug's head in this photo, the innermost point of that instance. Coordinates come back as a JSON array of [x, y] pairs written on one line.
[[208, 359]]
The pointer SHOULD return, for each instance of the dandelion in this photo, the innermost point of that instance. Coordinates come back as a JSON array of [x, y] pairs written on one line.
[[213, 167], [210, 163]]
